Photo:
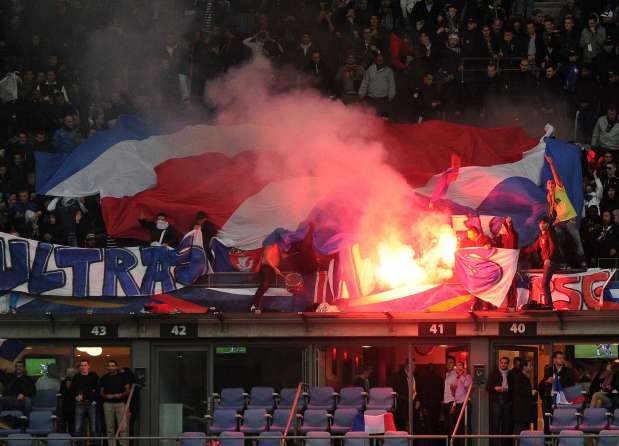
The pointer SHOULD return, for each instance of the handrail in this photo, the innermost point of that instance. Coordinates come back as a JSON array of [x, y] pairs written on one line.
[[462, 410], [123, 419], [293, 412]]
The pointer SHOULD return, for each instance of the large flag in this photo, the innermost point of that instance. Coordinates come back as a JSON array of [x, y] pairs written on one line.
[[514, 189], [136, 169], [487, 273]]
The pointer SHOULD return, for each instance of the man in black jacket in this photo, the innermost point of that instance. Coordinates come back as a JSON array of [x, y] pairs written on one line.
[[500, 389], [523, 398], [557, 376], [18, 389], [162, 233], [85, 390]]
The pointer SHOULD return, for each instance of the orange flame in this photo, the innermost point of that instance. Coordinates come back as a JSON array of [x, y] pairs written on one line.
[[397, 264]]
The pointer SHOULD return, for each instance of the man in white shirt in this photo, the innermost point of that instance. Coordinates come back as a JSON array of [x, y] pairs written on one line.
[[448, 394]]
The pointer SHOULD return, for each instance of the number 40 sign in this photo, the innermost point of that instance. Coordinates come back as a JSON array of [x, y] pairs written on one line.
[[517, 328]]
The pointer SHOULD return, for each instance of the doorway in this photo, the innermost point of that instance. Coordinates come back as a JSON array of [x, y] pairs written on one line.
[[181, 390]]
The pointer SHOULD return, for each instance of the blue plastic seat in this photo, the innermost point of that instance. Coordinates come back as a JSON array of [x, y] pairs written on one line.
[[395, 438], [286, 399], [531, 438], [12, 413], [261, 398], [593, 420], [314, 420], [223, 420], [608, 438], [321, 398], [563, 419], [233, 398], [571, 437], [353, 439], [41, 422], [193, 439], [342, 421], [270, 441], [318, 438], [280, 419], [381, 398], [614, 425], [19, 440], [351, 398], [254, 421], [45, 400], [231, 438], [60, 439]]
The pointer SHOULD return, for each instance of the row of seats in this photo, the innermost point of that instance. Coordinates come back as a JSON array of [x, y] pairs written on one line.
[[568, 438], [232, 438], [256, 421], [591, 420], [323, 398], [40, 422], [56, 439]]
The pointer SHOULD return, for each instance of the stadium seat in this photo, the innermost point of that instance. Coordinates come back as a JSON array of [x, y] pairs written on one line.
[[314, 420], [342, 421], [261, 398], [280, 419], [318, 439], [352, 439], [19, 440], [229, 438], [531, 438], [571, 437], [608, 438], [223, 420], [63, 439], [573, 393], [45, 400], [41, 423], [381, 398], [286, 399], [231, 398], [351, 398], [374, 412], [193, 439], [19, 418], [395, 438], [321, 398], [594, 420], [562, 419], [254, 421], [270, 441], [614, 424]]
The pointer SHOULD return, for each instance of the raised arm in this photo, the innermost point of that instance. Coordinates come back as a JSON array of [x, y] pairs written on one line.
[[553, 170]]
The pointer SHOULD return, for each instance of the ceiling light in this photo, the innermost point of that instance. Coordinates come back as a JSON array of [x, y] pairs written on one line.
[[91, 351]]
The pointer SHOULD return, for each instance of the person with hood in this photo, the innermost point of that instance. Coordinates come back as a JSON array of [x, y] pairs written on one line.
[[162, 233]]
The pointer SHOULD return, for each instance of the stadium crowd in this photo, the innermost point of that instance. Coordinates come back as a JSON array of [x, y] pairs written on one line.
[[76, 66]]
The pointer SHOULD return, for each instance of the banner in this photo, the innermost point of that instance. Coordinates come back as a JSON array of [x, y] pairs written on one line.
[[487, 273], [39, 268], [573, 291]]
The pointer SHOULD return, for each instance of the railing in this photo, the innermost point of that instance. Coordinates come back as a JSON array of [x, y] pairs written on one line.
[[293, 412], [463, 411], [126, 413], [483, 63]]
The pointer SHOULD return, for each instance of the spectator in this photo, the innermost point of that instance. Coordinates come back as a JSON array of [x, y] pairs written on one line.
[[348, 80], [362, 379], [114, 392], [378, 86], [209, 230], [67, 138], [85, 391], [524, 398], [607, 238], [405, 386], [593, 196], [602, 386], [19, 389], [592, 39], [606, 132], [459, 388], [429, 98], [162, 233], [500, 387], [448, 393], [563, 214], [557, 376], [319, 73], [67, 402], [49, 380], [547, 244]]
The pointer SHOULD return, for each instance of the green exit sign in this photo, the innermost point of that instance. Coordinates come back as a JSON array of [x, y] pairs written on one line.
[[230, 350]]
